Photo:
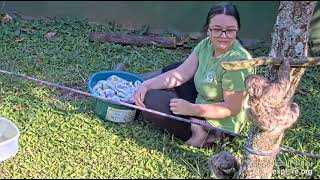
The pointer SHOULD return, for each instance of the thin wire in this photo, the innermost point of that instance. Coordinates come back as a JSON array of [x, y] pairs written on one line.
[[252, 151], [192, 121]]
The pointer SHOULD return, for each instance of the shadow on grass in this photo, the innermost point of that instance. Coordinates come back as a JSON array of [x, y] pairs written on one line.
[[147, 136], [152, 138]]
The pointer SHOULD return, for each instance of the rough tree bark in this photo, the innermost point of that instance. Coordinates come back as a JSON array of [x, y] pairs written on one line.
[[271, 109]]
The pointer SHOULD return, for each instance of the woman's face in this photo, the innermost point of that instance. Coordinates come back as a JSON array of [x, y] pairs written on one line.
[[222, 31]]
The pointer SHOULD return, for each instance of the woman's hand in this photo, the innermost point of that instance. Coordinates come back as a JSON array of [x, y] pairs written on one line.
[[139, 95], [181, 107]]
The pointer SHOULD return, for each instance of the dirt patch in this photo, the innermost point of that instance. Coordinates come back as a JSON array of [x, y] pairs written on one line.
[[67, 95]]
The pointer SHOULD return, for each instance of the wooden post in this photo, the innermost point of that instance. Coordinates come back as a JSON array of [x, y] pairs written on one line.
[[263, 61]]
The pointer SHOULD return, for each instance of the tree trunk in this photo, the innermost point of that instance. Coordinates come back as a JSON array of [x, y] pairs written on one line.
[[165, 42], [291, 31], [271, 109]]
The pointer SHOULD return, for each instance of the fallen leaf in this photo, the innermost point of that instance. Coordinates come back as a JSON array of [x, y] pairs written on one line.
[[27, 30], [19, 40], [24, 29], [6, 18], [50, 34]]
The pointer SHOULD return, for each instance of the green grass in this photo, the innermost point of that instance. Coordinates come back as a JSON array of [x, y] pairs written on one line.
[[62, 138]]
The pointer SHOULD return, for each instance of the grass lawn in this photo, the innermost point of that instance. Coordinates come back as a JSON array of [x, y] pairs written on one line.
[[62, 138]]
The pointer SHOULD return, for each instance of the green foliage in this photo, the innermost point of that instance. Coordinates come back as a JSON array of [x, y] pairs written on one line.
[[62, 138]]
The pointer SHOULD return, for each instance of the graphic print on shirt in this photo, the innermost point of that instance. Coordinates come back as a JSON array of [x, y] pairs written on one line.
[[211, 76]]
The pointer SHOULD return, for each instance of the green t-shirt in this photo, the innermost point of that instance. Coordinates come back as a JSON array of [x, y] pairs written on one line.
[[211, 79]]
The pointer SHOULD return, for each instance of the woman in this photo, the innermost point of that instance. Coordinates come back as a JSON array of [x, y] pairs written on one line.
[[202, 88]]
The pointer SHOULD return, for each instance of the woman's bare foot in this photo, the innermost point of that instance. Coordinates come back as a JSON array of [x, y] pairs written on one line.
[[198, 137], [196, 141]]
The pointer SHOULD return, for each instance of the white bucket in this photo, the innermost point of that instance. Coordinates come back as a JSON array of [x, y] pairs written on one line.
[[9, 135]]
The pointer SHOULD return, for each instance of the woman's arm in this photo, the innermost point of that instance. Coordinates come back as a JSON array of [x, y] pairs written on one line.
[[229, 107], [175, 77]]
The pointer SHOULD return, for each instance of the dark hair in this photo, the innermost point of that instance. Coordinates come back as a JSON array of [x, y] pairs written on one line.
[[222, 8]]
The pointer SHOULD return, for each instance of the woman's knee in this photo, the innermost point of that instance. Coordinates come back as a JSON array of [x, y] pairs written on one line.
[[159, 100]]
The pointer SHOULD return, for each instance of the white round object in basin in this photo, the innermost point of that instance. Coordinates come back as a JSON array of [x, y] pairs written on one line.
[[9, 135]]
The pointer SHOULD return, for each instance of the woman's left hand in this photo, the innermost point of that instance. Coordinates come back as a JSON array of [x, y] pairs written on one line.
[[180, 106]]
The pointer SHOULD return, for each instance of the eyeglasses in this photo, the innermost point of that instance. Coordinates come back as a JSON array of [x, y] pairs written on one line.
[[217, 32]]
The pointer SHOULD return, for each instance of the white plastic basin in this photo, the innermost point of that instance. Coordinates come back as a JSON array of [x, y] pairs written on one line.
[[9, 135]]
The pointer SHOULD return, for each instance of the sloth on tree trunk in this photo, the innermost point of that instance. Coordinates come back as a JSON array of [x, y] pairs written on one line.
[[269, 104], [272, 111]]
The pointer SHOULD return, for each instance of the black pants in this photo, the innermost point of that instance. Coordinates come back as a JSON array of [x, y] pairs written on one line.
[[159, 100]]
